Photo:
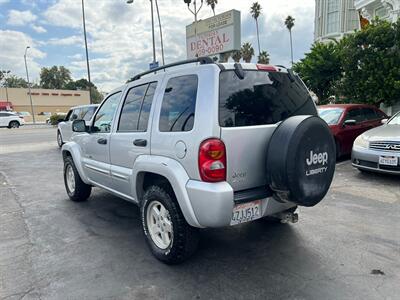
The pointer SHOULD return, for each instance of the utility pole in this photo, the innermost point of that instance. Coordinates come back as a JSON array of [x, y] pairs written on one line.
[[152, 29], [194, 12], [87, 53], [5, 74], [29, 86]]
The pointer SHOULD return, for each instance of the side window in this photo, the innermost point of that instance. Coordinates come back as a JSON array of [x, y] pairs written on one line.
[[370, 114], [146, 106], [355, 114], [105, 114], [74, 114], [87, 115], [3, 115], [131, 110], [179, 103]]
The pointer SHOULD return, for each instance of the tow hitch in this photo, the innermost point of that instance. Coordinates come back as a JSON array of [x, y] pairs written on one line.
[[288, 217]]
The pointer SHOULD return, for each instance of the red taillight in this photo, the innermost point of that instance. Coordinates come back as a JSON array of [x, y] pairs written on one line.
[[212, 160], [267, 68]]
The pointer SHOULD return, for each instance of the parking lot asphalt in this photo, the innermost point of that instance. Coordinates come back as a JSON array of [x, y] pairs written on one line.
[[347, 247]]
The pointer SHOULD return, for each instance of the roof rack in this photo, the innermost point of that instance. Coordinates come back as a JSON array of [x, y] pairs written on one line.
[[204, 60]]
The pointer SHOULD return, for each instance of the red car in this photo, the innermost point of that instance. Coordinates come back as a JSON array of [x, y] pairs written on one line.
[[348, 121]]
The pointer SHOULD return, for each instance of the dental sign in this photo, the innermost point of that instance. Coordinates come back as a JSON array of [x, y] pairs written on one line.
[[214, 35]]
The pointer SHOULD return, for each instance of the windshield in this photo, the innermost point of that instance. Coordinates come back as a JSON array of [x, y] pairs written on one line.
[[395, 120], [330, 115]]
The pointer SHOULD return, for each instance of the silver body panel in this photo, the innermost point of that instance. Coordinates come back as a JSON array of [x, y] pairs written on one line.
[[119, 166], [383, 141]]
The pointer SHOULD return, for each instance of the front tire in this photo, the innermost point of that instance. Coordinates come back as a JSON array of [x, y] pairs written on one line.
[[77, 190], [59, 139], [170, 238], [13, 124]]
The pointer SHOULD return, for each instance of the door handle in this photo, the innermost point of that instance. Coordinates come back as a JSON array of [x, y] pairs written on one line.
[[102, 141], [140, 142]]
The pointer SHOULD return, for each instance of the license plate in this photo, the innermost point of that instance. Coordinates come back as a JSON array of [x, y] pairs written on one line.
[[388, 160], [246, 212]]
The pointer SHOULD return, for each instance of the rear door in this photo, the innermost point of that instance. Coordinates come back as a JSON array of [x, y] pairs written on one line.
[[249, 112], [132, 135], [3, 119]]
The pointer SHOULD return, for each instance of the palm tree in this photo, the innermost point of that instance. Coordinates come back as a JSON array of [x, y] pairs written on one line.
[[255, 11], [263, 58], [289, 22], [212, 3], [247, 52], [236, 56]]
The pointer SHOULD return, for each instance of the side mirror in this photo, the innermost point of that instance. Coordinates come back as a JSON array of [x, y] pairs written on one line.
[[384, 121], [79, 126], [349, 123]]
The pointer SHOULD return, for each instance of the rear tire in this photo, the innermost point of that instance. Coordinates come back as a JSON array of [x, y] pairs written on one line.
[[77, 190], [59, 139], [170, 238], [13, 124]]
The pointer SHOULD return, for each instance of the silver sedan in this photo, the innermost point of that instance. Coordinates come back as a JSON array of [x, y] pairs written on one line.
[[378, 149]]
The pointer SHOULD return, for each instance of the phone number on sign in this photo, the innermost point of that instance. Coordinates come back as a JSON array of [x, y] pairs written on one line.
[[210, 50]]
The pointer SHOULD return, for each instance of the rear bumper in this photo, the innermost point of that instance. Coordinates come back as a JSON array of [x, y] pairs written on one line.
[[368, 160], [213, 203]]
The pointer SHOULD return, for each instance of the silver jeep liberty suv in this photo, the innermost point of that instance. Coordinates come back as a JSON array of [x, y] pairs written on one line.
[[199, 144]]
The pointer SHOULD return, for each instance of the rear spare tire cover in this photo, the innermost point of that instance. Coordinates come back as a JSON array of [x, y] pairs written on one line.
[[301, 160]]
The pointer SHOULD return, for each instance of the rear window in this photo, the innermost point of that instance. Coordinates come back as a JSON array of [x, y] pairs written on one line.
[[261, 98]]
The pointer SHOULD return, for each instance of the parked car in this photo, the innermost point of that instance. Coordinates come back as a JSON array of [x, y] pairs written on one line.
[[348, 121], [203, 145], [378, 149], [24, 113], [82, 112], [10, 120]]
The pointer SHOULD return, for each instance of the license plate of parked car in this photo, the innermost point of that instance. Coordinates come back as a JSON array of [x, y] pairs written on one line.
[[388, 160], [246, 212]]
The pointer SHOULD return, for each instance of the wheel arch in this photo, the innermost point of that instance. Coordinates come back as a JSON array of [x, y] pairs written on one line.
[[156, 170], [71, 149]]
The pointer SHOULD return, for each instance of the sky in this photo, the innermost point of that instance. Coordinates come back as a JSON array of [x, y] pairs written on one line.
[[119, 34]]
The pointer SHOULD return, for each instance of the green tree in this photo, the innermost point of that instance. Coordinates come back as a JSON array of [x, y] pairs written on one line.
[[54, 77], [321, 70], [212, 3], [289, 22], [263, 58], [15, 82], [236, 56], [247, 52], [83, 85], [255, 11], [370, 61]]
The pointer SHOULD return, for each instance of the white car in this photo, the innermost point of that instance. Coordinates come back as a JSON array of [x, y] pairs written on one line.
[[82, 112], [11, 120]]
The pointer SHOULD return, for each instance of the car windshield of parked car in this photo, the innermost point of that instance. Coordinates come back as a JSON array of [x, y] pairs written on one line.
[[330, 115], [395, 120]]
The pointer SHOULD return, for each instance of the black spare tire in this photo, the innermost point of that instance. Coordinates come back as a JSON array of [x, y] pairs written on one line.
[[301, 160]]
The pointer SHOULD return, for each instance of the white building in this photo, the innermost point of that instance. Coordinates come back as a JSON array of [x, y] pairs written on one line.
[[334, 19], [383, 9]]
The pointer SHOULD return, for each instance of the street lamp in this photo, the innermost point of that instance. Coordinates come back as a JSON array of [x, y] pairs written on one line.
[[29, 86], [152, 30], [87, 54], [195, 11]]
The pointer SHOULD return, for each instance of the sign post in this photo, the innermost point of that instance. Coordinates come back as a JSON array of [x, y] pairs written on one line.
[[215, 35]]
